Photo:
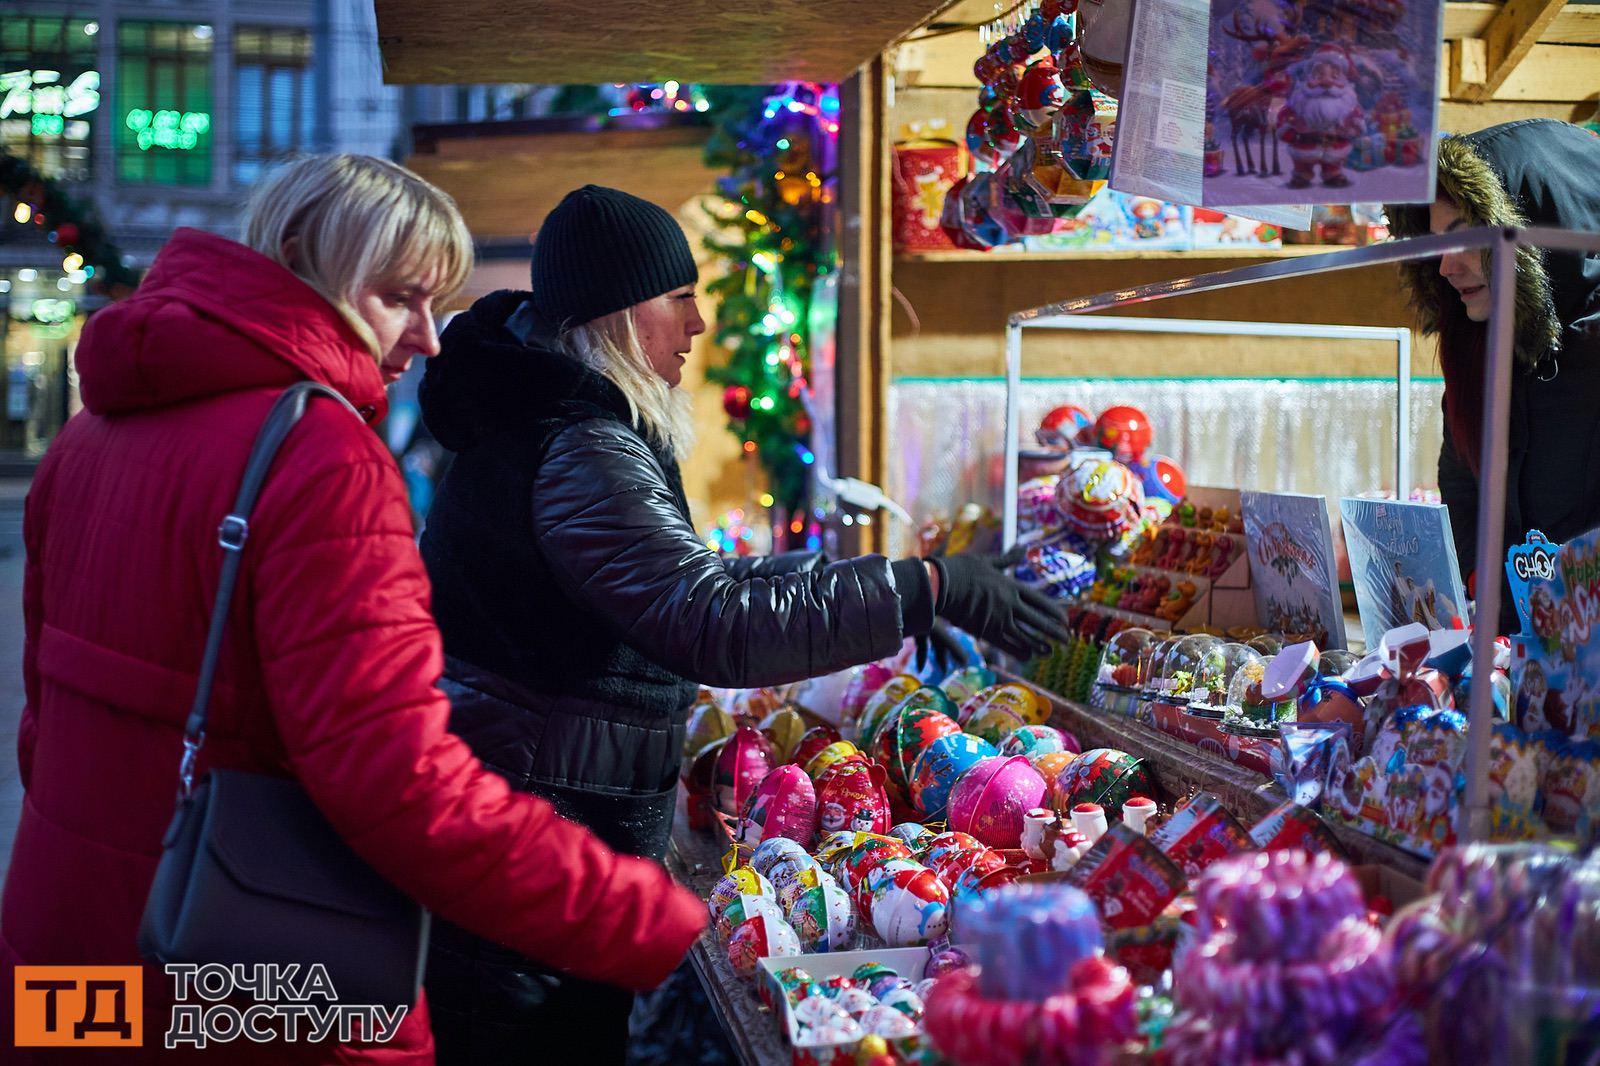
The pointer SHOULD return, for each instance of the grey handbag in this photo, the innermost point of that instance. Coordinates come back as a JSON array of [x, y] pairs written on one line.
[[251, 873]]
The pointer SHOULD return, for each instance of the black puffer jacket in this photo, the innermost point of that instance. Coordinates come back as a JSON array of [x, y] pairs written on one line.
[[1543, 173], [580, 609]]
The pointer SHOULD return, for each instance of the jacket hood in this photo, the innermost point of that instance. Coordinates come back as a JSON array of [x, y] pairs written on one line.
[[487, 381], [212, 317], [1537, 172]]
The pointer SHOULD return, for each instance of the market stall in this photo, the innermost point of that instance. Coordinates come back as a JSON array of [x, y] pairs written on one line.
[[1223, 821], [1223, 759]]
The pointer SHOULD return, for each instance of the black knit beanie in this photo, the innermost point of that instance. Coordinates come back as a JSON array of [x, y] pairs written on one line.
[[602, 250]]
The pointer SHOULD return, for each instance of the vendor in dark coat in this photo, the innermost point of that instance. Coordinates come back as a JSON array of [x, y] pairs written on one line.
[[580, 609], [1534, 172]]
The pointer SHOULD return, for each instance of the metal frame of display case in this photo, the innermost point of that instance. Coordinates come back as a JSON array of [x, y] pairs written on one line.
[[1501, 244], [1400, 337]]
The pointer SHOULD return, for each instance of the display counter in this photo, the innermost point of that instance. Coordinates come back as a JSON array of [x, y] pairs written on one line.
[[1180, 770], [695, 859]]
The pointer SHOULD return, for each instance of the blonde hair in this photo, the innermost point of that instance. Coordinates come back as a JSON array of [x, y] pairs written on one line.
[[610, 345], [345, 222]]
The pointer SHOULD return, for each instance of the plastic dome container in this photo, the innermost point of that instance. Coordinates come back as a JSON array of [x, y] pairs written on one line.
[[1153, 661], [1183, 669], [1245, 702], [1220, 665], [1335, 661], [1268, 644], [1119, 678]]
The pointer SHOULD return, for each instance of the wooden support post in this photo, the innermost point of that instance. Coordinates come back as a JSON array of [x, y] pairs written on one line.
[[1469, 68], [1505, 43], [865, 257]]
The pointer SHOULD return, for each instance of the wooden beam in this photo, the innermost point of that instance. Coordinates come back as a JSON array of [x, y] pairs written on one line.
[[727, 42], [1571, 24], [1555, 73], [1467, 68], [1508, 39]]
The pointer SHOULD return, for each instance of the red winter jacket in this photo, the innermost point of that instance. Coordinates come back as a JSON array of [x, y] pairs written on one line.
[[327, 673]]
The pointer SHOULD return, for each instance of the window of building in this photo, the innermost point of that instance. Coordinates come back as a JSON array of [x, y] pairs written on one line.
[[164, 102], [275, 109], [49, 92]]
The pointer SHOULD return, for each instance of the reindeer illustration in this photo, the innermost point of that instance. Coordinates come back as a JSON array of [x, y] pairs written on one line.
[[1271, 29]]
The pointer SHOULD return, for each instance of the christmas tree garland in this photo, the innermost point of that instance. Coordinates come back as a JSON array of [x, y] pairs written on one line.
[[38, 201]]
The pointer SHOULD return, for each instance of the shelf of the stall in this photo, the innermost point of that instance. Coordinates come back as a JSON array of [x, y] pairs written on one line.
[[1182, 769]]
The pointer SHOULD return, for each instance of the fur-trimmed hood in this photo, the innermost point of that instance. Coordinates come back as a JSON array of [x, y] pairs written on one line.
[[1536, 172]]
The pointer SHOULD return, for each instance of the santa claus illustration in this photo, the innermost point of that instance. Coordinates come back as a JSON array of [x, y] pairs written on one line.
[[1319, 118]]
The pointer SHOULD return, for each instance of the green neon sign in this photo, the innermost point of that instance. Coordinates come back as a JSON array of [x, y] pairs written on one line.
[[177, 130]]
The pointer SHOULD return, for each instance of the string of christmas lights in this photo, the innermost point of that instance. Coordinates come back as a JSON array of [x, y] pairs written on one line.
[[775, 234], [40, 202]]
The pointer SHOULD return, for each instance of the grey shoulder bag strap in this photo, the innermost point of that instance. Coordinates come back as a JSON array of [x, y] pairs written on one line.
[[250, 872]]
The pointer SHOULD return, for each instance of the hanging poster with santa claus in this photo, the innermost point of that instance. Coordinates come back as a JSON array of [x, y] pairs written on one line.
[[1321, 101]]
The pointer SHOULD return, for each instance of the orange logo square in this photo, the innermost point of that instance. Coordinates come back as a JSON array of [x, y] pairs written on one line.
[[79, 1006]]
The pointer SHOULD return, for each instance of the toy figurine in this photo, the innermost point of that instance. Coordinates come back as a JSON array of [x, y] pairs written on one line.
[[1219, 519], [1204, 544], [1223, 557], [1186, 514], [1174, 549], [1178, 602]]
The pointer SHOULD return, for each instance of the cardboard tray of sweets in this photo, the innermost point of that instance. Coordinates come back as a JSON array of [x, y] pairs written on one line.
[[907, 962], [1222, 603]]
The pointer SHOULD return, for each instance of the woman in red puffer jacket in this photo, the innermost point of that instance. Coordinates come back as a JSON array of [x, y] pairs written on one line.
[[328, 670]]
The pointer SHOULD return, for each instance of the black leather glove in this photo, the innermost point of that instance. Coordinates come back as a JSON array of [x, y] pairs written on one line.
[[945, 649], [975, 595]]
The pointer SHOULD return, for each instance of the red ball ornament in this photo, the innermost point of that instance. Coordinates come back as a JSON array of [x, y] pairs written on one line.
[[1125, 432], [736, 401], [1063, 424]]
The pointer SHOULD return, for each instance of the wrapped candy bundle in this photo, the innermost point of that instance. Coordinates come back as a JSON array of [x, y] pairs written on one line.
[[1286, 966], [1502, 961], [1044, 993]]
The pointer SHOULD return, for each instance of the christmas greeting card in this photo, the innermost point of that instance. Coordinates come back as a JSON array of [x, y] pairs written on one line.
[[1292, 568], [1403, 563]]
